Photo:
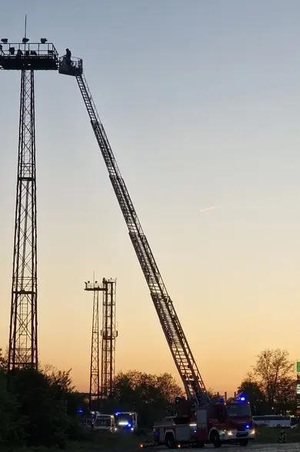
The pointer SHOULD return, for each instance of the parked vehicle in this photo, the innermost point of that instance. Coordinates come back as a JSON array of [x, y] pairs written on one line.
[[274, 420], [126, 420], [217, 423], [102, 421]]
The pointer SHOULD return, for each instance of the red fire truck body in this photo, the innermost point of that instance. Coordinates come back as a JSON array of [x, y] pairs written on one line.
[[217, 423]]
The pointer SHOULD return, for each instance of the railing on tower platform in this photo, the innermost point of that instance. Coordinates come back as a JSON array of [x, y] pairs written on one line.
[[28, 56]]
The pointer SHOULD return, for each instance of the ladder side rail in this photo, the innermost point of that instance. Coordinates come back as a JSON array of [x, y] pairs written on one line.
[[175, 336], [117, 181], [167, 315]]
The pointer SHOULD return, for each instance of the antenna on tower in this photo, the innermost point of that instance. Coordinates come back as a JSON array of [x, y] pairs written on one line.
[[25, 39], [25, 26]]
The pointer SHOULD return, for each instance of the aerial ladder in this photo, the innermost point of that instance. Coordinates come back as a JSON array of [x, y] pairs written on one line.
[[176, 339]]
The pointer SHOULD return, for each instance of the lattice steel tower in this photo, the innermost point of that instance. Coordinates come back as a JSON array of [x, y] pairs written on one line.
[[94, 390], [25, 57], [109, 334], [101, 381]]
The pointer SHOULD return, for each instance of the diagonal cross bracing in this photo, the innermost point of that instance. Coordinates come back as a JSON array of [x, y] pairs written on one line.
[[23, 318]]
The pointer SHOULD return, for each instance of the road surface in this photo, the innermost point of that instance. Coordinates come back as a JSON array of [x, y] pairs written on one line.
[[291, 447]]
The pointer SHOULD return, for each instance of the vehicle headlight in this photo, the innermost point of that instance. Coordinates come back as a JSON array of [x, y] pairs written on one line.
[[227, 432]]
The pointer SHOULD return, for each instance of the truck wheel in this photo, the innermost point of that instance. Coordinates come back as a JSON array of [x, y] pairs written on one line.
[[215, 439], [243, 442], [170, 441]]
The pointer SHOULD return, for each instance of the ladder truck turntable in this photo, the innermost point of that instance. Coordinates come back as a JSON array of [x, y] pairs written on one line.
[[203, 420]]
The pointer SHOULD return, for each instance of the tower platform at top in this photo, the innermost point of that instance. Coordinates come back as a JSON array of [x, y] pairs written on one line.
[[26, 55]]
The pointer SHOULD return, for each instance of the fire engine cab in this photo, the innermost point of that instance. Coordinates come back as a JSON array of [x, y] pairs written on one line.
[[217, 423]]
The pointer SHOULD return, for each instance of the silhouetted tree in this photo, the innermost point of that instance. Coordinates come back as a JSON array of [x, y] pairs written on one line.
[[286, 395], [40, 408], [148, 395], [3, 361], [255, 396], [271, 369], [273, 375], [44, 412], [11, 423]]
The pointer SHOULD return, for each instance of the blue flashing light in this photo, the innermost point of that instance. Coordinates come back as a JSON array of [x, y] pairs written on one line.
[[241, 398], [247, 426]]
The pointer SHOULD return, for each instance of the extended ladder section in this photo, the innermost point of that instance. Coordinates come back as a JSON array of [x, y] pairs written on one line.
[[181, 352]]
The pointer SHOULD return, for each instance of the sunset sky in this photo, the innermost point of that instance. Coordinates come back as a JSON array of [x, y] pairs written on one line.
[[201, 104]]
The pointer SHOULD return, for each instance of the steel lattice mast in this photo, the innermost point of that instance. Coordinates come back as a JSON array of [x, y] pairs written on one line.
[[23, 345], [101, 381], [23, 349], [94, 390], [109, 334]]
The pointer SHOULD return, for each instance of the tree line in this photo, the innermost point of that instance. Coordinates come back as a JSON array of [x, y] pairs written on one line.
[[43, 408], [37, 408]]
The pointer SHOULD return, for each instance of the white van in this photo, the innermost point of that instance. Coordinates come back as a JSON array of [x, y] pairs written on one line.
[[101, 421]]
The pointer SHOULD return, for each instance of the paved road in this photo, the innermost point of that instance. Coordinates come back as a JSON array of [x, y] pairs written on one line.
[[293, 447]]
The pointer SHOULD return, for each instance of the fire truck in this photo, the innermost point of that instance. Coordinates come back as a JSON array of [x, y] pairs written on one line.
[[217, 423], [126, 421], [207, 421]]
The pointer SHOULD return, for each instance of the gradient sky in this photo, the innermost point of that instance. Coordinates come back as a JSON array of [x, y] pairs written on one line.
[[201, 103]]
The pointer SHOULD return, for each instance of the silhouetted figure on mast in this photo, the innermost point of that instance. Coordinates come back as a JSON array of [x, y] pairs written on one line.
[[68, 57]]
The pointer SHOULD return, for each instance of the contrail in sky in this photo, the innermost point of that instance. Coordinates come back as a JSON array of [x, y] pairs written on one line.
[[208, 208]]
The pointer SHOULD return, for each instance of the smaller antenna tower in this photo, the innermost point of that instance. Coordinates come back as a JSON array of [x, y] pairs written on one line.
[[100, 388], [109, 335], [94, 392]]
